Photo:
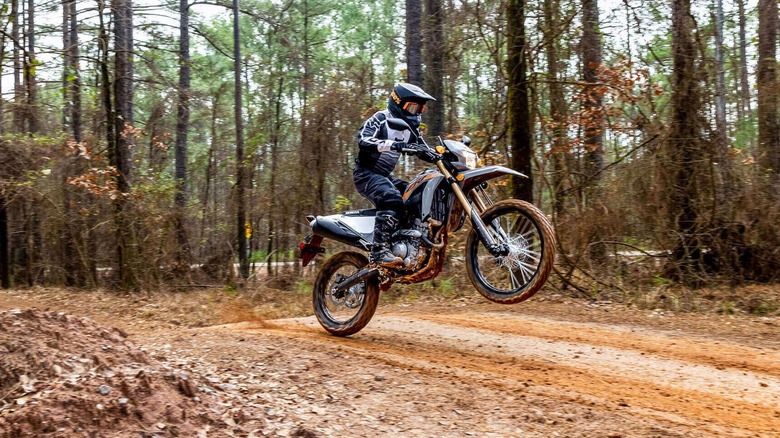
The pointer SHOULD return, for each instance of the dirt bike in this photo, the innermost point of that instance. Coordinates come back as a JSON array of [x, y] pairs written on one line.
[[509, 252]]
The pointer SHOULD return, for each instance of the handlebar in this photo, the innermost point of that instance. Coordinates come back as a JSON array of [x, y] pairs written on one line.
[[423, 152], [416, 147], [413, 147]]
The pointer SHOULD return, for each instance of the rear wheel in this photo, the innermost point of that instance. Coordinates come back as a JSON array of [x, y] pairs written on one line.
[[529, 241], [344, 313]]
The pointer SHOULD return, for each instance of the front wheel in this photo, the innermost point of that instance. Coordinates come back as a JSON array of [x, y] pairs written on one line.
[[344, 313], [529, 243]]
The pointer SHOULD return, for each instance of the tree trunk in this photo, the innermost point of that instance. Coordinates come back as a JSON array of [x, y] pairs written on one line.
[[518, 111], [272, 211], [594, 126], [730, 185], [71, 75], [66, 63], [29, 71], [414, 69], [720, 83], [306, 158], [684, 152], [5, 258], [744, 90], [209, 250], [241, 183], [106, 100], [105, 80], [35, 271], [123, 90], [182, 125], [32, 218], [18, 117], [74, 73], [3, 40], [559, 148], [69, 242], [123, 142], [434, 71], [768, 124]]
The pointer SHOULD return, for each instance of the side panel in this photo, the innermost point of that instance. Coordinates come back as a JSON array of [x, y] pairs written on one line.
[[362, 224], [341, 228], [426, 195], [429, 195], [418, 182]]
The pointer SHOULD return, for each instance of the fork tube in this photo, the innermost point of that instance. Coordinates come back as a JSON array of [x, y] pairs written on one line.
[[476, 196], [484, 235], [455, 188], [482, 202]]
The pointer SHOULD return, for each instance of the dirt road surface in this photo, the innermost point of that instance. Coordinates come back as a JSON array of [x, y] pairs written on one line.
[[466, 369]]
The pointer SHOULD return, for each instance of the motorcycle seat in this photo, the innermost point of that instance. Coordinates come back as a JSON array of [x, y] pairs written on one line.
[[367, 212]]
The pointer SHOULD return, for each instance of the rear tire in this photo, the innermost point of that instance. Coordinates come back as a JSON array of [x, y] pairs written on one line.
[[346, 314], [519, 275]]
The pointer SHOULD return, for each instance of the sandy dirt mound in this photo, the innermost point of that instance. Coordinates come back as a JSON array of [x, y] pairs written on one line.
[[66, 376]]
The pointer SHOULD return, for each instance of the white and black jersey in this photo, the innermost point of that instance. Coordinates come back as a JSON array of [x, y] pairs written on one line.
[[375, 140]]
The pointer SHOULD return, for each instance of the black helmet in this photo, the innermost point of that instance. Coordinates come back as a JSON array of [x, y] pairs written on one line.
[[409, 98]]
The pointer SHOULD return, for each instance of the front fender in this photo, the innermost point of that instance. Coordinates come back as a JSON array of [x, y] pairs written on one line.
[[473, 178]]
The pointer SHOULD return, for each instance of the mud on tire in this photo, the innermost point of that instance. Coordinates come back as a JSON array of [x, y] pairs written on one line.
[[363, 298], [532, 240]]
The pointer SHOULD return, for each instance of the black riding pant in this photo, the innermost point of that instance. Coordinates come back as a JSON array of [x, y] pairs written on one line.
[[383, 191]]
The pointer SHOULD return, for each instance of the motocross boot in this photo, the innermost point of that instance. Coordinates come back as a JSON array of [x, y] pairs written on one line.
[[383, 228]]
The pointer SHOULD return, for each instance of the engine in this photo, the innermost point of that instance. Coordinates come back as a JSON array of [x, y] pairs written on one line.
[[411, 251], [407, 244]]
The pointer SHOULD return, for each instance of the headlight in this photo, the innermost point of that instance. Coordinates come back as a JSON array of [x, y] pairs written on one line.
[[471, 159]]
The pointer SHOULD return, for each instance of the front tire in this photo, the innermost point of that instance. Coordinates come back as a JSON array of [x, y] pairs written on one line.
[[347, 313], [527, 234]]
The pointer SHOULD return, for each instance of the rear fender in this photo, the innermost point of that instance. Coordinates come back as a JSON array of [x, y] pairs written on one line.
[[474, 178], [310, 247]]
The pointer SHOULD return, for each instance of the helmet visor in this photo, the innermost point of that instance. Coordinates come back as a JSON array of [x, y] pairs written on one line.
[[414, 108]]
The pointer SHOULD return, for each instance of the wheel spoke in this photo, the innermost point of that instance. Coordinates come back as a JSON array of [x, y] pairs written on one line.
[[524, 241], [337, 307], [512, 277], [533, 255], [530, 269], [513, 227], [528, 235]]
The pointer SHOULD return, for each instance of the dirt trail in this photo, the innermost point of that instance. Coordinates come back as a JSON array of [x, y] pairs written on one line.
[[433, 371], [713, 386]]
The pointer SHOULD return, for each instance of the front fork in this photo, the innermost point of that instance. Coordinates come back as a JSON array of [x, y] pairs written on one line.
[[495, 248]]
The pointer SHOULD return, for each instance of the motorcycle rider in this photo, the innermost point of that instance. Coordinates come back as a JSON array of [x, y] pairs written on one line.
[[380, 148]]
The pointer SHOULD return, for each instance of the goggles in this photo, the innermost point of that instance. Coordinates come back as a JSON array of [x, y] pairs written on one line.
[[414, 108]]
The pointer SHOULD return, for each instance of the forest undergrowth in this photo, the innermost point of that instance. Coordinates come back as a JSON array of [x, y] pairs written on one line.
[[288, 296]]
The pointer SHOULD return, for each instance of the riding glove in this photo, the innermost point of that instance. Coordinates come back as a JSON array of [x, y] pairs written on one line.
[[398, 146]]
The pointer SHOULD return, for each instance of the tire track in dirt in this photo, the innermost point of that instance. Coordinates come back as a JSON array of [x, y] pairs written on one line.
[[641, 372], [714, 353]]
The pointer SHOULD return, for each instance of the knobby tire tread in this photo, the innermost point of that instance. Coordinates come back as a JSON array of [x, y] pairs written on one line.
[[320, 295], [548, 252]]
